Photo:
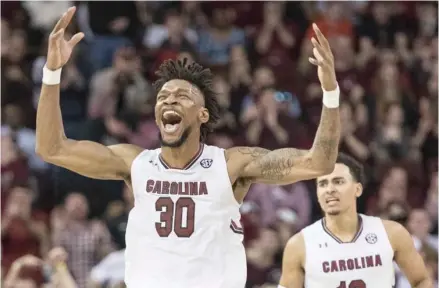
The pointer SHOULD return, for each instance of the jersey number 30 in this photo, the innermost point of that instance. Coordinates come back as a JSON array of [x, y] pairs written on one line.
[[171, 216], [353, 284]]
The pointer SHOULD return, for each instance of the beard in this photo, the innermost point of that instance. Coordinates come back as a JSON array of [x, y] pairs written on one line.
[[333, 213], [177, 143]]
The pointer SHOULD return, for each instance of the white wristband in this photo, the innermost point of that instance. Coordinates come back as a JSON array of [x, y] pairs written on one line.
[[331, 99], [51, 77]]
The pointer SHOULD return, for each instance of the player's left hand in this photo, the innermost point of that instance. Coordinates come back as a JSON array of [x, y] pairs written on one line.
[[324, 59]]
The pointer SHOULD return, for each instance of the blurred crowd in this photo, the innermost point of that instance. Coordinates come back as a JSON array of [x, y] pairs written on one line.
[[386, 65]]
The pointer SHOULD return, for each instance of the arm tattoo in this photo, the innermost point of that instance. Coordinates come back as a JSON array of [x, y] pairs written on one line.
[[254, 152], [325, 146], [278, 164]]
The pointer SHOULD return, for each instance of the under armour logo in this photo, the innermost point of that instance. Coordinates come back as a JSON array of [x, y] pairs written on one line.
[[153, 163], [323, 245], [206, 163]]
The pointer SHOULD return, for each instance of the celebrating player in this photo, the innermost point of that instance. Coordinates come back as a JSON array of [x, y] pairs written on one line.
[[184, 229]]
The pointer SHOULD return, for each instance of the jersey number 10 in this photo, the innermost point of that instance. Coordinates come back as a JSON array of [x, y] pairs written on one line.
[[353, 284], [171, 216]]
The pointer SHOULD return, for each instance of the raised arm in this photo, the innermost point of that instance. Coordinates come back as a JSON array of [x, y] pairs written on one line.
[[288, 165], [293, 274], [406, 256], [84, 157]]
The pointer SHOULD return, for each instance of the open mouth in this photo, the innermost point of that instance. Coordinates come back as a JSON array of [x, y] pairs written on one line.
[[171, 121]]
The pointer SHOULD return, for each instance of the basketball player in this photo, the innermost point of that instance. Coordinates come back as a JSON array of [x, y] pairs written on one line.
[[184, 228], [346, 249]]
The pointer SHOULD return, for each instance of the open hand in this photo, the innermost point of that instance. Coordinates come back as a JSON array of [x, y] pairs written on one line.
[[57, 255], [324, 59], [60, 49]]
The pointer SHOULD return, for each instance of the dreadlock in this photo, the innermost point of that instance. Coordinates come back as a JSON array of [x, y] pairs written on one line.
[[198, 76]]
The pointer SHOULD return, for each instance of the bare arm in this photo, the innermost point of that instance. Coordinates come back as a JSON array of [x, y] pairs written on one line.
[[406, 256], [84, 157], [358, 147], [288, 165], [263, 40], [13, 275], [292, 264], [62, 277], [285, 36], [87, 158]]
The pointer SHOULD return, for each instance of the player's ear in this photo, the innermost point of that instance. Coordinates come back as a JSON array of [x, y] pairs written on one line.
[[203, 115], [358, 190]]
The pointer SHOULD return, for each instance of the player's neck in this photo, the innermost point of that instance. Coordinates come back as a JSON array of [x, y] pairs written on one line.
[[179, 157], [344, 226]]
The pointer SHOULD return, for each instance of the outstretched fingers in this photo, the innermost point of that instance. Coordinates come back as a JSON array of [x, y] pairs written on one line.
[[75, 39], [64, 21], [322, 50], [322, 39]]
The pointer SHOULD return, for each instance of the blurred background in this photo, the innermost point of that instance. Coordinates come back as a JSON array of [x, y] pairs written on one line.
[[386, 64]]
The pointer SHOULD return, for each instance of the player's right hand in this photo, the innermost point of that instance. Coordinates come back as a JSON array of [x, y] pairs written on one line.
[[60, 49]]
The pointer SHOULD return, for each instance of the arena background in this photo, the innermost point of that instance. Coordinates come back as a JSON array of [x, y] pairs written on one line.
[[386, 64]]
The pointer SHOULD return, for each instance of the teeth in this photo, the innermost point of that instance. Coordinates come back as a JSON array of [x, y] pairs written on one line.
[[170, 128], [170, 112]]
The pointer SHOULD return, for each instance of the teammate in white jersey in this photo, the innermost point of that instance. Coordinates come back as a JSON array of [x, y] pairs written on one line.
[[346, 249], [184, 229]]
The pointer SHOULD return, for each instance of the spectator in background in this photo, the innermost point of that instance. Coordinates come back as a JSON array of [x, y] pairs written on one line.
[[393, 188], [173, 34], [52, 10], [388, 90], [333, 21], [392, 140], [216, 42], [272, 122], [168, 40], [117, 217], [193, 15], [112, 29], [227, 120], [274, 33], [110, 272], [16, 84], [239, 68], [272, 199], [426, 26], [13, 124], [353, 139], [59, 276], [431, 203], [120, 88], [262, 264], [379, 25], [274, 42], [22, 233], [6, 33], [14, 169], [86, 241], [419, 225]]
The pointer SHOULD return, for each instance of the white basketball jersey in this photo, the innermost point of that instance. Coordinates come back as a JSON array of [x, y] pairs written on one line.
[[184, 229], [367, 261]]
